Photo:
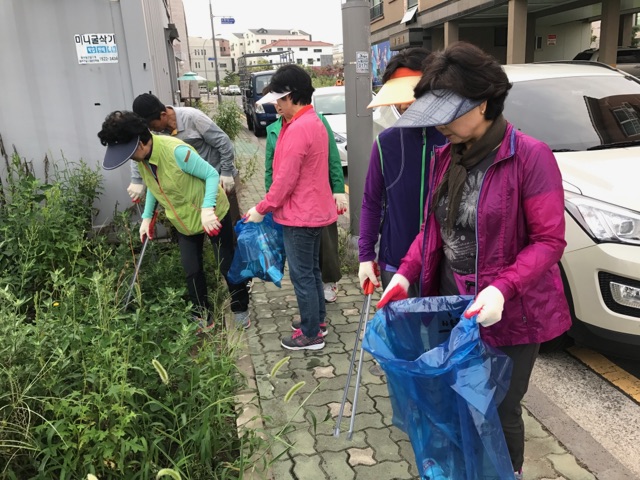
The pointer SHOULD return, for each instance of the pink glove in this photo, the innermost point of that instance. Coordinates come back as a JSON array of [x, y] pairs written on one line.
[[210, 222], [341, 202]]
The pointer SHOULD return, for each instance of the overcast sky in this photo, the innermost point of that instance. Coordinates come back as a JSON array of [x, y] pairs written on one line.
[[321, 18]]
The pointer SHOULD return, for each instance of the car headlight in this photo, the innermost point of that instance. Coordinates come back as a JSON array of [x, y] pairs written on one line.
[[259, 108], [602, 221], [339, 138]]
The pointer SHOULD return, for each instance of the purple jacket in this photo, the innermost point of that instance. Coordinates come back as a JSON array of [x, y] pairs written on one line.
[[395, 191], [520, 239]]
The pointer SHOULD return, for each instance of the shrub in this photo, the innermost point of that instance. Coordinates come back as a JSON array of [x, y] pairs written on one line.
[[87, 386], [228, 116]]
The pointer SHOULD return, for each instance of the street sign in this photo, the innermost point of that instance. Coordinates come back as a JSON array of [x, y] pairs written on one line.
[[211, 59], [228, 20]]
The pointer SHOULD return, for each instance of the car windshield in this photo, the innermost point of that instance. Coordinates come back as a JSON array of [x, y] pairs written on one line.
[[577, 113], [584, 56], [330, 104], [261, 82]]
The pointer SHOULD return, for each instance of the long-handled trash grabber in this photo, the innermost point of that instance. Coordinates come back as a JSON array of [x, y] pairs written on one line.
[[137, 270], [362, 326]]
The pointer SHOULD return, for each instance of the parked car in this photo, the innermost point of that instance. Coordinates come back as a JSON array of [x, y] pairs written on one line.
[[627, 59], [330, 102], [590, 117], [233, 90]]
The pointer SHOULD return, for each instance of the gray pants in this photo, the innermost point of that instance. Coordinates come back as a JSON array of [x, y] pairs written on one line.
[[329, 254]]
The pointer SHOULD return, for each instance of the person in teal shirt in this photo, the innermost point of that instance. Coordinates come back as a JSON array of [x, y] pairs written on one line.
[[329, 257]]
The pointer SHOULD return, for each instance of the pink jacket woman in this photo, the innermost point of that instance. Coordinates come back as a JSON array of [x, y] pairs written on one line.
[[520, 239]]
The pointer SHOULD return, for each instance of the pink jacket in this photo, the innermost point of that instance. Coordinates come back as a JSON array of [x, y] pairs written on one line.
[[300, 195], [520, 239]]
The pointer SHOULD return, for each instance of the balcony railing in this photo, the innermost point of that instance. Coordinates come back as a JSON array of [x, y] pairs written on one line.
[[376, 11]]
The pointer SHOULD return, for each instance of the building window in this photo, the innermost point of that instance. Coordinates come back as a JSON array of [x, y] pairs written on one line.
[[303, 49], [280, 49], [197, 64], [376, 10], [299, 61], [212, 65], [309, 61], [222, 65], [317, 60], [264, 41], [411, 4], [317, 50]]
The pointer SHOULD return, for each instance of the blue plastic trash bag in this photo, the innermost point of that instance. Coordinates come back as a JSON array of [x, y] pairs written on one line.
[[260, 252], [445, 385]]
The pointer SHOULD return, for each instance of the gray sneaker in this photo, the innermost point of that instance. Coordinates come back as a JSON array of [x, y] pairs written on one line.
[[242, 319]]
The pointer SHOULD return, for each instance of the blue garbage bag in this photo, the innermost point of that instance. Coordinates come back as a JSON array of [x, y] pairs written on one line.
[[259, 253], [445, 385]]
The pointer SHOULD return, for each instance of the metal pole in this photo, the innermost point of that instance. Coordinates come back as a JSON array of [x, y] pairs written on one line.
[[357, 74], [204, 58], [215, 55]]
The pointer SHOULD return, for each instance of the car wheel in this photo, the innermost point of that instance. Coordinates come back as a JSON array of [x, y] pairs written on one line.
[[249, 122], [259, 132]]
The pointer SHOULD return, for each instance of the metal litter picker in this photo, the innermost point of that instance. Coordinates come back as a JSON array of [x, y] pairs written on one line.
[[137, 270], [362, 327]]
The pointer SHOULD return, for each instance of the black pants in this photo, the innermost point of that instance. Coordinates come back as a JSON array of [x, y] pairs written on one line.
[[329, 255], [510, 410], [192, 262]]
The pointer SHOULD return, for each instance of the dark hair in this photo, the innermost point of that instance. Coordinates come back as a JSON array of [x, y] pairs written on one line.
[[122, 127], [470, 72], [148, 106], [412, 58], [292, 78]]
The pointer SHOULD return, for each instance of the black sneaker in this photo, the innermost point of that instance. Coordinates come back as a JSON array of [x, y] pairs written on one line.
[[298, 341], [296, 324]]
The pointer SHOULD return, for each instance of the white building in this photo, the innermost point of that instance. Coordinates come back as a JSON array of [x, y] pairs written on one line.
[[338, 54], [305, 52], [203, 58], [253, 40]]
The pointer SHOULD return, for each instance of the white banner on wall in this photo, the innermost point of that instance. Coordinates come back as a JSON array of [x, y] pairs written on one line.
[[96, 48]]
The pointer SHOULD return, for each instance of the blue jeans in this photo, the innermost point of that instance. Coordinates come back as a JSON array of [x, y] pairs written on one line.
[[302, 248]]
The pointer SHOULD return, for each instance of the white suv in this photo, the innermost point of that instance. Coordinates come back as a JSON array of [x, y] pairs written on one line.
[[590, 117]]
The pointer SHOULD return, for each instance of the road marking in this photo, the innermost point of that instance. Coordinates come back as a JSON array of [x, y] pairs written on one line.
[[627, 383]]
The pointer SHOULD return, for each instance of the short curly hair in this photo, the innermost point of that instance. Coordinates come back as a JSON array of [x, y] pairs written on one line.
[[122, 127]]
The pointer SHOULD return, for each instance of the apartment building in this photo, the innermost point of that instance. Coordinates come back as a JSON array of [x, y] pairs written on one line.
[[253, 40], [516, 31], [203, 57], [305, 52]]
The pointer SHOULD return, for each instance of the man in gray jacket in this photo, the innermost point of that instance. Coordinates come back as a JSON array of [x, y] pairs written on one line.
[[198, 130]]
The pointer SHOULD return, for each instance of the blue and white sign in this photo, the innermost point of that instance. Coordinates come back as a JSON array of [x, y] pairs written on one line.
[[96, 48], [227, 20], [211, 59]]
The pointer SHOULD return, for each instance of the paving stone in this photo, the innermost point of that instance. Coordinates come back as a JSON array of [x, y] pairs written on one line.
[[566, 465], [398, 470], [305, 467], [336, 466], [324, 372], [384, 446], [361, 456], [330, 443], [406, 452], [302, 441]]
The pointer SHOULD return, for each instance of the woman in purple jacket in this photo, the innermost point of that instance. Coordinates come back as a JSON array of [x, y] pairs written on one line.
[[397, 181], [495, 223]]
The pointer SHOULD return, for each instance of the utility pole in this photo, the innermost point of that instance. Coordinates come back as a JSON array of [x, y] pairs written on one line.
[[357, 74], [215, 55], [204, 59]]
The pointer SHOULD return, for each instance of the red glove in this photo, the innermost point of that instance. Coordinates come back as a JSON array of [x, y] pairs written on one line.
[[396, 290]]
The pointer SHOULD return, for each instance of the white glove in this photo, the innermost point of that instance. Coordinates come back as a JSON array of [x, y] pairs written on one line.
[[341, 202], [146, 229], [227, 182], [397, 289], [210, 221], [252, 216], [136, 191], [368, 270], [488, 306]]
